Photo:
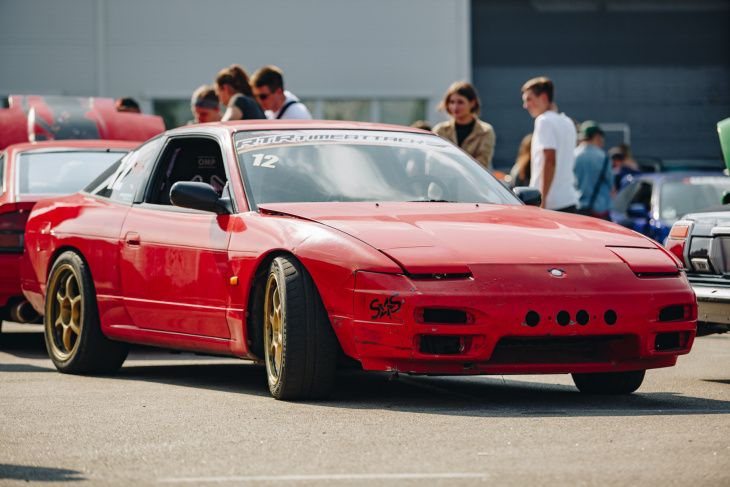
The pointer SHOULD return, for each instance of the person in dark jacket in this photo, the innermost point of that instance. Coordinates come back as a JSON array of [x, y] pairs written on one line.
[[235, 93]]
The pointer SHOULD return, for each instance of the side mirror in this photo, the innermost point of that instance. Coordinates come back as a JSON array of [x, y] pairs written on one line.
[[199, 196], [529, 196], [638, 210], [726, 197]]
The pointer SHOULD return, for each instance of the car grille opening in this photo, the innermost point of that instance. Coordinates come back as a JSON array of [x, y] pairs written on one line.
[[562, 350], [532, 318], [443, 344], [677, 312], [672, 341], [610, 317], [563, 318], [667, 341], [443, 316]]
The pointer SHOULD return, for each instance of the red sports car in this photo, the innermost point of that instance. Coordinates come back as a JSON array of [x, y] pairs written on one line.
[[28, 173], [33, 118], [292, 242]]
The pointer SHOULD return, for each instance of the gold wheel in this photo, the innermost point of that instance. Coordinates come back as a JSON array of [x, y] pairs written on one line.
[[273, 330], [300, 347], [74, 339], [64, 319]]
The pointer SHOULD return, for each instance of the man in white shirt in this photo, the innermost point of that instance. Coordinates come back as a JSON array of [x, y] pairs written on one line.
[[267, 85], [553, 142]]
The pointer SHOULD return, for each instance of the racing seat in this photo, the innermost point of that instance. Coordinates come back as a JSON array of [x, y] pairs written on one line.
[[189, 160]]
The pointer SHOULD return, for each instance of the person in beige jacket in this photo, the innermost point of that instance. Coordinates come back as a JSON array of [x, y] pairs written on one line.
[[464, 128]]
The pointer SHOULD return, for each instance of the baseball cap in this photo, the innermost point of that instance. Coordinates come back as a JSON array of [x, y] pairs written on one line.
[[589, 128]]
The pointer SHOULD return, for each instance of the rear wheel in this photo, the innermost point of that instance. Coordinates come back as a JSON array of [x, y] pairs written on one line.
[[609, 382], [73, 333], [300, 347]]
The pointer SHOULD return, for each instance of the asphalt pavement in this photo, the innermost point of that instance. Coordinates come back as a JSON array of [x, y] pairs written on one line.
[[185, 419]]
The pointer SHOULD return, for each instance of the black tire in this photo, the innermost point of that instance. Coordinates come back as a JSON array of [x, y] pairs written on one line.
[[609, 382], [72, 330], [300, 346]]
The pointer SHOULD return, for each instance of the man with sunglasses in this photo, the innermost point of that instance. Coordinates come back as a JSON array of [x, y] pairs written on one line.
[[268, 87]]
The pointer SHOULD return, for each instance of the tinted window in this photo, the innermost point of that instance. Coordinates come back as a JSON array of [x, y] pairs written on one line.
[[196, 159], [643, 194], [621, 200], [357, 165], [122, 182], [61, 172]]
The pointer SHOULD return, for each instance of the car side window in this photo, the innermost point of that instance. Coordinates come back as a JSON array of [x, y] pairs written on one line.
[[122, 180], [188, 159], [622, 198], [643, 194]]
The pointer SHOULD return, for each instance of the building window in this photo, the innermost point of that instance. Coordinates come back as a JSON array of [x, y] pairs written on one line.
[[352, 110], [175, 113], [402, 112], [395, 111]]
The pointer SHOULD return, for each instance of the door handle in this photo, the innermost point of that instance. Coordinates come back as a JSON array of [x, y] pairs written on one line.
[[131, 239]]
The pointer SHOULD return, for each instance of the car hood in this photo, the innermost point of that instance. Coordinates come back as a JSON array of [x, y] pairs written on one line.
[[456, 235], [706, 220]]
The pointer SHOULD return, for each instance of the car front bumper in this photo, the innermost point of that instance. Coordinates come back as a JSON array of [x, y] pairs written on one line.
[[520, 320], [713, 309]]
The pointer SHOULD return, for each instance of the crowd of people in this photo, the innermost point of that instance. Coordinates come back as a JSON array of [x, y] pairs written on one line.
[[566, 162], [259, 96]]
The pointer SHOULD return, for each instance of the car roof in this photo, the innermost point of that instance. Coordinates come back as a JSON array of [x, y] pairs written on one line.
[[73, 144], [672, 164], [674, 175], [252, 125]]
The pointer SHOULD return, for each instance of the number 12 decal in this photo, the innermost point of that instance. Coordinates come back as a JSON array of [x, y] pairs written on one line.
[[265, 161]]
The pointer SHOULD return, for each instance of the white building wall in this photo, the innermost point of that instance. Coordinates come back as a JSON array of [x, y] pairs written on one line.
[[151, 49]]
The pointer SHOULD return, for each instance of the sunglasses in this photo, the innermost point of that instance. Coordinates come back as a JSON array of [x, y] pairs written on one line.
[[263, 96]]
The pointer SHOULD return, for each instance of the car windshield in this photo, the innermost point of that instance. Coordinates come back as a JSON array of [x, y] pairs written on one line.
[[62, 172], [357, 165], [681, 196]]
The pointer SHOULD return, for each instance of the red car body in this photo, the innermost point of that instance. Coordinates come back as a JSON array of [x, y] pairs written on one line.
[[16, 204], [425, 287], [34, 118]]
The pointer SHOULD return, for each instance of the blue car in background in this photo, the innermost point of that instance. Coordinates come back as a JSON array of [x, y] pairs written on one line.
[[650, 203]]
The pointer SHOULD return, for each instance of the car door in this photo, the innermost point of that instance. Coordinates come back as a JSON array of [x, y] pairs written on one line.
[[174, 261]]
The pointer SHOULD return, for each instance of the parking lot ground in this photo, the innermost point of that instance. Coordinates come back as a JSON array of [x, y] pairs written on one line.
[[184, 419]]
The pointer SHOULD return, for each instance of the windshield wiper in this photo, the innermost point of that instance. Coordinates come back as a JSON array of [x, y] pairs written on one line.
[[429, 201]]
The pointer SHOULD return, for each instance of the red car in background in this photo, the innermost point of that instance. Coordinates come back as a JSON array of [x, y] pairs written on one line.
[[30, 172], [34, 118], [297, 242]]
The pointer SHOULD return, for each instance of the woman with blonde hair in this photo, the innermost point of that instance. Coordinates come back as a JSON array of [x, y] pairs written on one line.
[[235, 93], [464, 129]]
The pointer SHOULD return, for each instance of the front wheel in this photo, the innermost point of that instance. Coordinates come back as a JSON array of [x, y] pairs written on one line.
[[73, 333], [300, 346], [609, 382]]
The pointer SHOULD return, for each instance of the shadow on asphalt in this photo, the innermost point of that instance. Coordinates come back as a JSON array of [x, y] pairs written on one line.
[[39, 474], [486, 396]]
